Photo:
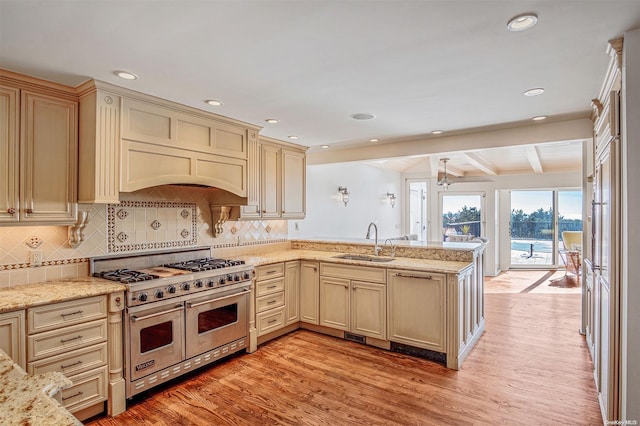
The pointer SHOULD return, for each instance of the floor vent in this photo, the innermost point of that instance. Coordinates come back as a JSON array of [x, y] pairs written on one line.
[[354, 338], [419, 352]]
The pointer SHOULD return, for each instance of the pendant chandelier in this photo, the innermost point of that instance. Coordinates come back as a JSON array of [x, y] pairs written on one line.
[[445, 182]]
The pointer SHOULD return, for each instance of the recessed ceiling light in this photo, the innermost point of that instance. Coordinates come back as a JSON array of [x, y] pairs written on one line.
[[213, 102], [534, 92], [539, 118], [126, 75], [324, 146], [374, 140], [361, 116], [293, 137], [271, 121], [437, 132], [522, 22]]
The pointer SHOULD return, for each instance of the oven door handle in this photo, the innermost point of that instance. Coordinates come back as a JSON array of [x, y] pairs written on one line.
[[194, 305], [157, 314]]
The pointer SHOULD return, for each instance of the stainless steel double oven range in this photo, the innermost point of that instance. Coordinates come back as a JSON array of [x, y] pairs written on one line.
[[184, 310]]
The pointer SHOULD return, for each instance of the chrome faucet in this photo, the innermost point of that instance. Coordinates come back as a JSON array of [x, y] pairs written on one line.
[[393, 248], [376, 249]]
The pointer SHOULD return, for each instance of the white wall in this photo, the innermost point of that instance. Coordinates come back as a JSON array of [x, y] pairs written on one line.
[[327, 216]]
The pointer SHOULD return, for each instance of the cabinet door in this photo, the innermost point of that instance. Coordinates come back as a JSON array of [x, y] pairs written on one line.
[[48, 158], [9, 160], [270, 181], [368, 309], [309, 292], [293, 184], [417, 309], [334, 303], [292, 292], [12, 338]]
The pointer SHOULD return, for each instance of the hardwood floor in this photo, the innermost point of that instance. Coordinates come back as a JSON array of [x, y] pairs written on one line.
[[531, 367]]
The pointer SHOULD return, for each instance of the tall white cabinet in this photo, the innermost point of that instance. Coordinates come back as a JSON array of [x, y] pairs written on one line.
[[603, 289]]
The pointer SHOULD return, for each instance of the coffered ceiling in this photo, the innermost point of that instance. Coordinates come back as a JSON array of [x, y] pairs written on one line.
[[416, 66]]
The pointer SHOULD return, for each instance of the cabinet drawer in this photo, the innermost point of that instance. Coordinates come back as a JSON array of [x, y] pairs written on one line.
[[88, 389], [269, 271], [269, 321], [56, 315], [74, 362], [350, 272], [269, 301], [56, 342], [268, 287]]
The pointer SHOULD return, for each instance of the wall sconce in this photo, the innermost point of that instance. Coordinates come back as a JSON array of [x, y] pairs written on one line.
[[392, 199], [344, 194]]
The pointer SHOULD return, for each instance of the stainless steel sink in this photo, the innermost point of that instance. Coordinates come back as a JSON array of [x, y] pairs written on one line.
[[363, 257]]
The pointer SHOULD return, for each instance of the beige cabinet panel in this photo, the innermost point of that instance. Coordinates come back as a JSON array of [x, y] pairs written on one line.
[[270, 301], [9, 154], [292, 292], [266, 272], [12, 336], [269, 321], [88, 389], [73, 362], [48, 158], [293, 184], [270, 181], [65, 339], [369, 309], [56, 315], [335, 303], [309, 292], [352, 272], [417, 309]]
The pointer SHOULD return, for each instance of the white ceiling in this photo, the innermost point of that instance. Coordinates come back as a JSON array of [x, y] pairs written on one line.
[[416, 65]]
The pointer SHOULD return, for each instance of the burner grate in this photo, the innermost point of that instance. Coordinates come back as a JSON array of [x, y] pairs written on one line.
[[205, 264], [126, 276]]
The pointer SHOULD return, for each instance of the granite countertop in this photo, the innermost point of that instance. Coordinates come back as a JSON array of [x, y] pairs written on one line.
[[28, 400], [429, 265], [28, 295], [442, 245]]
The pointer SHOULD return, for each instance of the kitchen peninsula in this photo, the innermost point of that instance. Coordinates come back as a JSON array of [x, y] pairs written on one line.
[[427, 300]]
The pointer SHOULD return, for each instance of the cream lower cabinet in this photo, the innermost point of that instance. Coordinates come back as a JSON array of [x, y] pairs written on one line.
[[353, 299], [417, 309], [82, 339], [292, 292], [270, 298], [310, 292], [39, 142], [12, 336]]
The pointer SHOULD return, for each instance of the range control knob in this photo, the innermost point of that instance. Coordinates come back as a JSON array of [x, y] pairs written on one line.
[[211, 283], [142, 297], [186, 286], [198, 283], [236, 277], [245, 276], [221, 281], [171, 289], [229, 277], [159, 294]]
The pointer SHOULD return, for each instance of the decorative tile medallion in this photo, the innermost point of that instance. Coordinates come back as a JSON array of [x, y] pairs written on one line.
[[122, 237], [33, 242], [122, 214], [168, 223]]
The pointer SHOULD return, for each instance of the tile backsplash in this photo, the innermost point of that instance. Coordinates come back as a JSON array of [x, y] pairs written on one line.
[[148, 220]]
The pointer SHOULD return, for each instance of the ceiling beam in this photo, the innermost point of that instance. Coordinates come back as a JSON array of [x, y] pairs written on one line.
[[481, 163], [534, 158], [434, 164], [453, 171]]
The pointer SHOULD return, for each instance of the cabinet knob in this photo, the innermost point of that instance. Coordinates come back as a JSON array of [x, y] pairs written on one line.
[[11, 211], [29, 211], [264, 211]]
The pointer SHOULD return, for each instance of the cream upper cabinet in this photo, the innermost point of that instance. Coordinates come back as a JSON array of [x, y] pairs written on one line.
[[309, 292], [417, 309], [40, 149], [270, 181], [12, 336], [293, 184], [10, 160], [282, 181]]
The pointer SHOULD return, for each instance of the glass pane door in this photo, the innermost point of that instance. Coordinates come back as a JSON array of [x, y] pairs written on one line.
[[532, 229], [418, 208], [461, 217]]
